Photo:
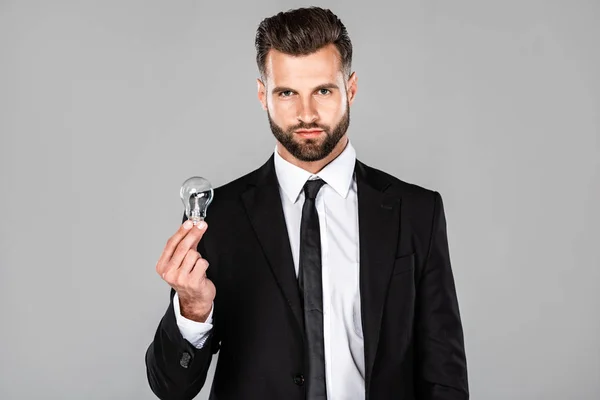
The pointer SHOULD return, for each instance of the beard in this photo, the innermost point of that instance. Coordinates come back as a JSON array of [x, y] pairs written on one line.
[[313, 149]]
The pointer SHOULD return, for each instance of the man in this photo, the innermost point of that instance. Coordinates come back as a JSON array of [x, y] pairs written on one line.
[[328, 279]]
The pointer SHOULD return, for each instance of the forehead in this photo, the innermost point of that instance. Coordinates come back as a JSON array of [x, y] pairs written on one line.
[[324, 64]]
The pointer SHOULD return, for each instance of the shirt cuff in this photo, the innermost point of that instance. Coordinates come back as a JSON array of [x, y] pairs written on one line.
[[194, 332]]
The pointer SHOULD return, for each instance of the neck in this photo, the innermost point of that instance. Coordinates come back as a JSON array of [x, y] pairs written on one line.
[[313, 166]]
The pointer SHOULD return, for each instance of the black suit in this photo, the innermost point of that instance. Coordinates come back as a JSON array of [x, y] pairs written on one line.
[[413, 336]]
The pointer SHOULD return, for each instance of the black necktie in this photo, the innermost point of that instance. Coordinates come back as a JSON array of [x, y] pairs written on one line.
[[311, 287]]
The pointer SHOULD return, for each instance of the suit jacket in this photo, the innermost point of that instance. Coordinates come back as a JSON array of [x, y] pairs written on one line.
[[413, 337]]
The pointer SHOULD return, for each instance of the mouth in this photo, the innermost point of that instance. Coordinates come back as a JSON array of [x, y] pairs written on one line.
[[308, 133]]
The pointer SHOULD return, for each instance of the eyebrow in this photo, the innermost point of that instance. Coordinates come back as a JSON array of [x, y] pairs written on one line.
[[323, 86]]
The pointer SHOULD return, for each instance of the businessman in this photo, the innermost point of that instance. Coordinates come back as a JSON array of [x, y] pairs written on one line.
[[328, 278]]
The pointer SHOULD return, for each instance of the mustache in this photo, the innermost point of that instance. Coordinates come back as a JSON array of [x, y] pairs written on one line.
[[302, 125]]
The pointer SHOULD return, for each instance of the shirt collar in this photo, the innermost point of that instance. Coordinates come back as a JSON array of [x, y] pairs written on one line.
[[338, 173]]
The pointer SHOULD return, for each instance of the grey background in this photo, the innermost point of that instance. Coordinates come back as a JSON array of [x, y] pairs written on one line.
[[107, 107]]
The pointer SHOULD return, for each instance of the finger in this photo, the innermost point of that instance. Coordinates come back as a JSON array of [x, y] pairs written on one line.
[[179, 275], [202, 232], [189, 261], [171, 245], [199, 270], [190, 241]]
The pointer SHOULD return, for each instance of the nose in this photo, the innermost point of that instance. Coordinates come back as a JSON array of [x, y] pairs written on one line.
[[307, 111]]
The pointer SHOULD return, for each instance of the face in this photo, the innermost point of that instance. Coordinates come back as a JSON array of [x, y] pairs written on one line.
[[307, 99]]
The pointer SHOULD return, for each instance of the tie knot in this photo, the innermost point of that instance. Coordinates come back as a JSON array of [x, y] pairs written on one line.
[[311, 188]]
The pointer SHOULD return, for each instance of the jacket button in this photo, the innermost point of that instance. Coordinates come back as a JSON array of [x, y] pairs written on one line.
[[299, 379], [185, 359]]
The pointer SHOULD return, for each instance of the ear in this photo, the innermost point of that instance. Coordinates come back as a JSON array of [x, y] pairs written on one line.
[[262, 93], [352, 87]]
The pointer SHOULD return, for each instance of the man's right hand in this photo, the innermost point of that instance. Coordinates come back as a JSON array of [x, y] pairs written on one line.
[[184, 269]]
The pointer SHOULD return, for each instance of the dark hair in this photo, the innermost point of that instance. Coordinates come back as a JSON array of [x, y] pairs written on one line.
[[301, 32]]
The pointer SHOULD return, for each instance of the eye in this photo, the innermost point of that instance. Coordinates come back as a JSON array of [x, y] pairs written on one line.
[[324, 92], [285, 93]]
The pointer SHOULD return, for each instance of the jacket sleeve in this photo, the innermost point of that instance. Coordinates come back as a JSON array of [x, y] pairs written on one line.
[[174, 367], [441, 370]]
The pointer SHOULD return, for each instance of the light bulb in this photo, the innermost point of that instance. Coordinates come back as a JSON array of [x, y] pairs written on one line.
[[196, 194]]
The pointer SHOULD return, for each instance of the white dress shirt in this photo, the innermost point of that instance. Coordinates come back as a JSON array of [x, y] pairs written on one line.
[[337, 208]]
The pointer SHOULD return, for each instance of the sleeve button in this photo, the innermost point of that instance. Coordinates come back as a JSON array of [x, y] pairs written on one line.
[[299, 379]]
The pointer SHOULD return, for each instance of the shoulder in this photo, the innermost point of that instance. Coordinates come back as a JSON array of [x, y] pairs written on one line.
[[407, 190], [421, 205], [231, 190], [227, 197], [422, 210]]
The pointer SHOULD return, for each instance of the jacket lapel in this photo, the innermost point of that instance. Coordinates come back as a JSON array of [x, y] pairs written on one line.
[[379, 222], [263, 205]]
